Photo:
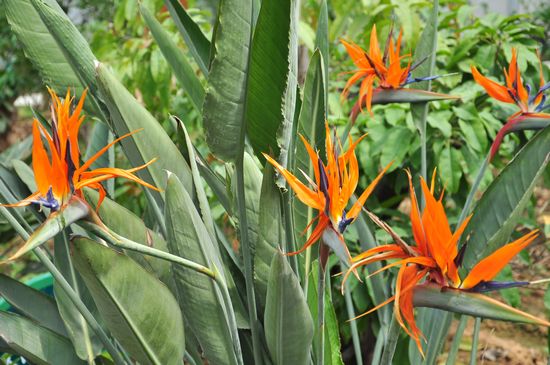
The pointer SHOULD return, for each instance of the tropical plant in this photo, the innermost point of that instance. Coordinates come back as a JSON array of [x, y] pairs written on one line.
[[213, 272]]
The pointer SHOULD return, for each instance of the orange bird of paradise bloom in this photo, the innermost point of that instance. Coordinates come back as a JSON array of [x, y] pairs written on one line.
[[332, 189], [515, 91], [434, 259], [61, 175], [385, 69]]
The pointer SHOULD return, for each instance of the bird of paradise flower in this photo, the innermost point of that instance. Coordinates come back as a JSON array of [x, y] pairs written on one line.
[[435, 259], [515, 91], [61, 177], [334, 185], [383, 69]]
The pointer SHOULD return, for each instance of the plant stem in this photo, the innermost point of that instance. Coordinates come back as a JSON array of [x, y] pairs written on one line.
[[391, 342], [73, 296], [247, 256], [122, 242], [473, 190], [289, 232], [473, 354], [451, 359], [321, 310], [354, 333]]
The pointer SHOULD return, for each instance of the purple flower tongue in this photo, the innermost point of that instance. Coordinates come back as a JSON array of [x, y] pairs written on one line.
[[486, 286]]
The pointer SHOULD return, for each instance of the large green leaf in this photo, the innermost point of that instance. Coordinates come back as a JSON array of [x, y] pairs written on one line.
[[473, 304], [74, 210], [332, 345], [86, 342], [252, 187], [37, 344], [499, 209], [322, 43], [206, 310], [311, 125], [139, 310], [127, 224], [272, 76], [39, 45], [287, 320], [271, 234], [176, 58], [224, 104], [33, 303], [127, 115], [195, 39], [383, 96]]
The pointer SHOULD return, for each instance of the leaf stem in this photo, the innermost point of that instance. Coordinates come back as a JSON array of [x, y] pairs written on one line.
[[451, 359], [473, 354], [124, 243], [391, 342], [321, 310], [354, 333]]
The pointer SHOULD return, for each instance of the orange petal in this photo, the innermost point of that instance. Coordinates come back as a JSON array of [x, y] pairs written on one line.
[[494, 89], [306, 195], [315, 235], [490, 266], [356, 208]]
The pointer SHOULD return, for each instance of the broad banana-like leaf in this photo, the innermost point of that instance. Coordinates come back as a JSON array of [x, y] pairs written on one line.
[[386, 96], [37, 344], [332, 345], [204, 305], [252, 187], [33, 303], [85, 341], [138, 309], [127, 115], [272, 78], [74, 210], [224, 103], [311, 125], [287, 320], [196, 41], [271, 233], [25, 173], [40, 47], [499, 209], [473, 304], [322, 44], [176, 58]]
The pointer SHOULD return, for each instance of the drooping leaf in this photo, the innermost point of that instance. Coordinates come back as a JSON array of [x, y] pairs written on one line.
[[499, 209], [199, 294], [311, 125], [473, 304], [37, 344], [139, 310], [33, 303], [287, 320], [74, 210], [198, 44], [224, 104], [176, 58], [127, 115], [272, 76]]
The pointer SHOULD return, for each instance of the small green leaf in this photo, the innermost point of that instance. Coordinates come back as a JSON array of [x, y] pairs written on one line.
[[139, 310], [287, 320], [450, 168]]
